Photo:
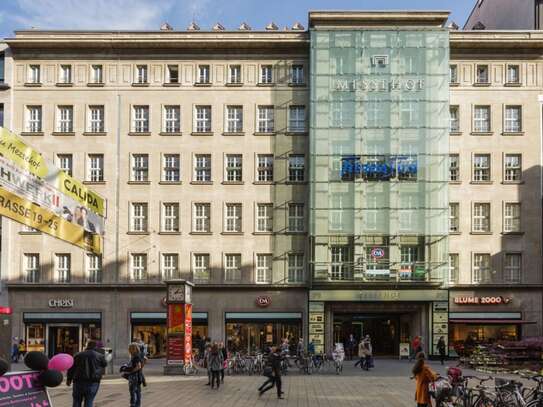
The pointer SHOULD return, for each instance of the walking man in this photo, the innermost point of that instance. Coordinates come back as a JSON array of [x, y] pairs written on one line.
[[86, 373], [273, 372]]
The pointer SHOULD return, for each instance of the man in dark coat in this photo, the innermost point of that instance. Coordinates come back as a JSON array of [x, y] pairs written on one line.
[[274, 377], [86, 373]]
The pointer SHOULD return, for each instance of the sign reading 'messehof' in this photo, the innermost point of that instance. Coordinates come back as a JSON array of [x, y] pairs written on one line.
[[378, 85]]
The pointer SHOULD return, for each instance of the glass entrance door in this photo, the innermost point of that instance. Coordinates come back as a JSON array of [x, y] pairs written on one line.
[[64, 339]]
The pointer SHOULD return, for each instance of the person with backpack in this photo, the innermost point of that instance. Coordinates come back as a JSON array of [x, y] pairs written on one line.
[[85, 374], [272, 371], [132, 371], [214, 363]]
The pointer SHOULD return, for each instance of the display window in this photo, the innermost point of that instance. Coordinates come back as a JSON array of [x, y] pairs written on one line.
[[35, 337], [253, 337], [154, 336]]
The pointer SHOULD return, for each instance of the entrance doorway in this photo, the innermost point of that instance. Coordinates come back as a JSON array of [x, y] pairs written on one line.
[[64, 339]]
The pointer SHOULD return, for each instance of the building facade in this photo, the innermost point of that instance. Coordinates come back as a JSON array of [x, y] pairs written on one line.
[[506, 15], [356, 178]]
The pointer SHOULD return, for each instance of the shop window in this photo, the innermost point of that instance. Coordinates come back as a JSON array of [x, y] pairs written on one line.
[[253, 337], [153, 336], [35, 338]]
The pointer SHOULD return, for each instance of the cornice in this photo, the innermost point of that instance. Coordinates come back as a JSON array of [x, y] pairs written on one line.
[[379, 18], [482, 39]]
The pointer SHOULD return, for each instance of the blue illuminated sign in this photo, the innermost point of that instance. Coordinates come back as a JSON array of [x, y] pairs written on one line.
[[379, 168]]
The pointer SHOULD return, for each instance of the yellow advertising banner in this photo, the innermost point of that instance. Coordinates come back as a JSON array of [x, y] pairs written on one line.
[[16, 150], [27, 213]]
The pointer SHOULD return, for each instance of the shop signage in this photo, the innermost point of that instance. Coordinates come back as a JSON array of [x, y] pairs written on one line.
[[263, 301], [6, 310], [381, 85], [380, 168], [175, 350], [61, 303], [486, 300], [23, 390], [378, 295], [377, 253]]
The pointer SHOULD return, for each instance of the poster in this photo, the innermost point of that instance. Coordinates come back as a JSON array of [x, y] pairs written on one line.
[[404, 349], [176, 323], [21, 210], [21, 389], [188, 332], [175, 350]]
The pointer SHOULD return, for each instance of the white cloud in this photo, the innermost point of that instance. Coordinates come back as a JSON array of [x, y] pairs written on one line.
[[92, 14]]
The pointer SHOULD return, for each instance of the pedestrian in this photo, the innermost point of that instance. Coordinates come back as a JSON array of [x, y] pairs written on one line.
[[414, 347], [311, 348], [15, 351], [369, 352], [21, 349], [206, 364], [351, 345], [143, 349], [361, 355], [85, 374], [224, 354], [442, 349], [215, 365], [132, 371], [273, 372], [424, 376]]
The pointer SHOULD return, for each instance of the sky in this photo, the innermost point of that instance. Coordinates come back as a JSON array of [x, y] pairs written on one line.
[[149, 14]]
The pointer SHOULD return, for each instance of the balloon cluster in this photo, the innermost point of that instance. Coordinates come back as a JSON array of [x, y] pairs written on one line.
[[50, 370]]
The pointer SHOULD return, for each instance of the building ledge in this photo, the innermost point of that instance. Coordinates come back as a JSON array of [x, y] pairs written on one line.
[[481, 84], [63, 133], [259, 133], [94, 182], [512, 84], [165, 133], [32, 133], [454, 84], [377, 18], [64, 84], [455, 133], [33, 84], [201, 133], [139, 182], [170, 183], [482, 133], [171, 84], [140, 133], [513, 133], [140, 85], [96, 84], [233, 133], [233, 84], [202, 84], [149, 285], [97, 134]]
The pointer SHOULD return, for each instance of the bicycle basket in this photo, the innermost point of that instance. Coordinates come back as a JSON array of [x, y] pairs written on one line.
[[440, 389]]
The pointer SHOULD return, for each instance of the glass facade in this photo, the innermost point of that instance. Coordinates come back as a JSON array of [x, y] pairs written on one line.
[[379, 148]]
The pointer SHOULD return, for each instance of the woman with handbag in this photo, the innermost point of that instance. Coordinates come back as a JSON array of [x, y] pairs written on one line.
[[132, 373], [424, 376]]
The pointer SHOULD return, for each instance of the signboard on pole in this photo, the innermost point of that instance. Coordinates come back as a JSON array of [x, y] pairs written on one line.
[[22, 389]]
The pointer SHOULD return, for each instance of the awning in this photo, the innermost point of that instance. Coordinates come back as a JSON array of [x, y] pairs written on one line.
[[160, 317], [47, 317], [262, 316], [490, 321]]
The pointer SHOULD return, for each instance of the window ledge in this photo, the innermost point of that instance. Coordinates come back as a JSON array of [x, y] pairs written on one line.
[[139, 182], [232, 233], [454, 84], [169, 233], [170, 183], [234, 84], [201, 133], [96, 84], [263, 183], [94, 182], [481, 182], [232, 183], [33, 84], [296, 133], [513, 133], [512, 182], [263, 233], [295, 233], [482, 133], [4, 86], [455, 133], [480, 233], [297, 85], [165, 133], [201, 233], [171, 84], [201, 182], [455, 233], [481, 84], [138, 233], [265, 85], [60, 133], [296, 182], [512, 84], [141, 133], [32, 133], [512, 233], [140, 85], [30, 233], [455, 182], [233, 133], [64, 84], [202, 84], [99, 133], [259, 133]]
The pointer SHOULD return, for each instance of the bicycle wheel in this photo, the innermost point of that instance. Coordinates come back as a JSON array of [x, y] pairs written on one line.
[[486, 402]]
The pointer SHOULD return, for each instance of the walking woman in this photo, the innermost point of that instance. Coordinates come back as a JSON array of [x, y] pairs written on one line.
[[215, 365], [224, 354], [424, 376], [442, 349], [132, 372]]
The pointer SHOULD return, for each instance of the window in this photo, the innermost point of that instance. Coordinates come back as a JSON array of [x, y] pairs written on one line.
[[33, 123], [295, 268], [63, 265], [140, 119], [97, 74], [138, 267], [170, 262], [264, 168], [265, 119], [138, 213], [140, 167], [482, 74], [172, 119], [513, 167], [94, 268], [453, 73], [512, 268], [201, 219], [96, 168], [232, 267], [200, 267], [235, 74], [203, 119], [296, 219], [232, 217], [513, 74], [296, 118], [173, 74], [203, 74], [513, 119], [454, 167], [266, 74], [297, 74], [234, 119], [453, 268], [511, 217], [141, 73], [202, 168], [481, 167], [481, 119], [65, 163], [170, 217], [296, 168], [31, 268], [171, 168], [264, 217], [481, 217], [65, 119], [481, 268], [454, 210], [65, 74], [34, 74], [264, 268], [340, 263], [233, 168], [454, 120], [96, 119]]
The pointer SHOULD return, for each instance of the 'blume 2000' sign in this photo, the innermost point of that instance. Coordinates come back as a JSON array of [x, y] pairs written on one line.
[[379, 168]]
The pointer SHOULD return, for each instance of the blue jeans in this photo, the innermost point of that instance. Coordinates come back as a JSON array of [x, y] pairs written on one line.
[[135, 394], [84, 392]]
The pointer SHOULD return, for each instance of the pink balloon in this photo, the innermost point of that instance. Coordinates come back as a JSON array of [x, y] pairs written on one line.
[[61, 362]]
